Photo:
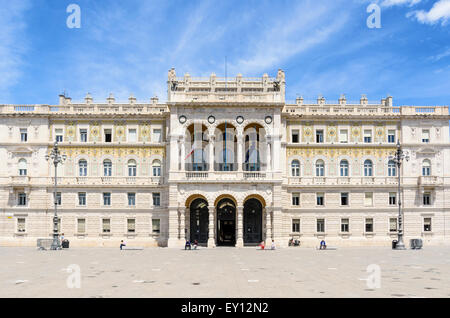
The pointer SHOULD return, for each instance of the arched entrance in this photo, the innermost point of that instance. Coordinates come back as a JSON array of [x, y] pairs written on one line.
[[253, 231], [226, 222], [199, 221]]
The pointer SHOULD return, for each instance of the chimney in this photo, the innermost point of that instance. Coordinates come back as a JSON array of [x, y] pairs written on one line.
[[132, 99], [321, 100], [88, 99], [299, 100], [342, 100], [154, 100], [363, 100], [62, 99], [111, 99]]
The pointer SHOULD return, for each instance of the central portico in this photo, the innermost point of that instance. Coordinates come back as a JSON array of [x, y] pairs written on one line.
[[225, 159]]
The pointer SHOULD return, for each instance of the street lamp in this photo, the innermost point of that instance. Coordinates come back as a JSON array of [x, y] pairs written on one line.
[[398, 159], [57, 158]]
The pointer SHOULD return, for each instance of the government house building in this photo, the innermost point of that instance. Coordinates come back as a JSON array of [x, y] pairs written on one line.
[[227, 162]]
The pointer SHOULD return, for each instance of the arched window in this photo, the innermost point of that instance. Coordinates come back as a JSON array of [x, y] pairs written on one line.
[[252, 160], [132, 168], [156, 167], [82, 168], [392, 170], [426, 168], [344, 168], [320, 168], [368, 168], [295, 168], [22, 167], [107, 168]]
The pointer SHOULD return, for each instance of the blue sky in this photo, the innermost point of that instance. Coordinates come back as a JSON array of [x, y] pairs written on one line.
[[325, 47]]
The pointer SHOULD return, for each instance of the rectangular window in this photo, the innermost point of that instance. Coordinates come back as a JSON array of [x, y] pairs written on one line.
[[343, 136], [426, 135], [21, 225], [295, 136], [106, 198], [81, 226], [131, 199], [345, 225], [156, 199], [320, 225], [82, 198], [58, 199], [156, 135], [368, 136], [83, 135], [427, 224], [368, 199], [131, 225], [391, 136], [319, 136], [320, 198], [108, 135], [23, 135], [344, 198], [132, 135], [392, 198], [22, 172], [22, 199], [59, 135], [393, 224], [156, 226], [106, 226], [427, 198], [369, 225], [295, 225], [296, 199]]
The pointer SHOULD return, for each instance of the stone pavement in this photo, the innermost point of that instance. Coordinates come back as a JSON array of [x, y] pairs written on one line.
[[225, 272]]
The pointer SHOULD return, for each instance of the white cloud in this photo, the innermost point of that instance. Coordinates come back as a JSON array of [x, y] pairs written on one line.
[[437, 57], [440, 12], [390, 3]]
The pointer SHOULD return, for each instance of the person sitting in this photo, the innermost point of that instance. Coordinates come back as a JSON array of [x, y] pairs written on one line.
[[122, 244], [195, 244], [323, 245], [273, 245], [188, 245], [261, 245]]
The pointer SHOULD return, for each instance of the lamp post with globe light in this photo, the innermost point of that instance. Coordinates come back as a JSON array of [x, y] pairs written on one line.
[[57, 158], [398, 160]]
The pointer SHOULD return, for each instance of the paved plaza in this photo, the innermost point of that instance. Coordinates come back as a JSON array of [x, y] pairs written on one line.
[[225, 272]]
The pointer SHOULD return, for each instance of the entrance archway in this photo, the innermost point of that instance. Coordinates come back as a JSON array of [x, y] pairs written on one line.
[[253, 231], [226, 223], [199, 221]]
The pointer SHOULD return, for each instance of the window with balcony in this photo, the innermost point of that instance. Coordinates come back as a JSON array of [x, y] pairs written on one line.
[[59, 135], [393, 224], [132, 137], [425, 135], [392, 198], [132, 168], [320, 199], [368, 168], [320, 168], [344, 167], [22, 167], [319, 136], [369, 225], [82, 168], [81, 226], [82, 198], [296, 199], [368, 199], [295, 168], [156, 199], [368, 136], [343, 136], [295, 136], [83, 135], [107, 135], [21, 225], [22, 199], [426, 168], [392, 169], [107, 168], [106, 225], [156, 167], [106, 198], [131, 226], [320, 225], [391, 136], [131, 199], [427, 198], [344, 198], [23, 135], [345, 225], [295, 225], [156, 226], [427, 224]]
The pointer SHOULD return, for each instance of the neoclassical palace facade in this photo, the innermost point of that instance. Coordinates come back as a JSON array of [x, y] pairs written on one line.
[[225, 161]]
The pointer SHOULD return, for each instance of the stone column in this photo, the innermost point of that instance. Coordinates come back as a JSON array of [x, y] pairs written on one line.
[[173, 228], [269, 156], [268, 226], [211, 153], [240, 226], [211, 240], [182, 232], [240, 147], [187, 223], [173, 153], [278, 227], [183, 155]]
